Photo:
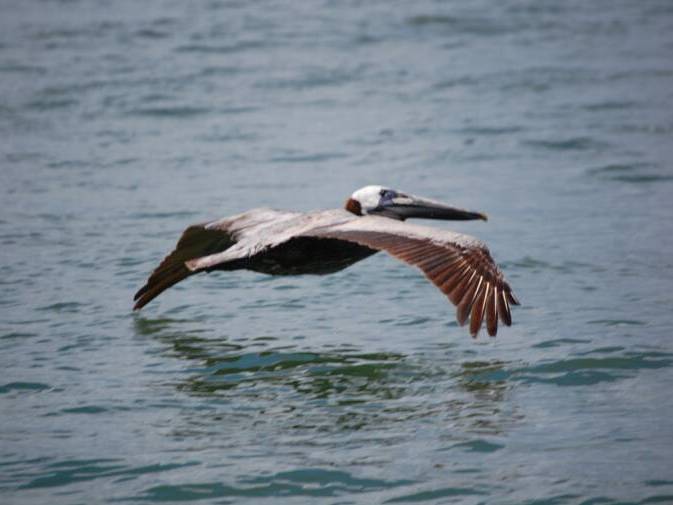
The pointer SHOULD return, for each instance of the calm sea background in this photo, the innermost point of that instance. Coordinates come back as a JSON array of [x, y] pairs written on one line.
[[123, 122]]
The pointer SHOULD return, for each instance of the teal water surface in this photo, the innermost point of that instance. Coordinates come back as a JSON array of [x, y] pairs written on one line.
[[124, 122]]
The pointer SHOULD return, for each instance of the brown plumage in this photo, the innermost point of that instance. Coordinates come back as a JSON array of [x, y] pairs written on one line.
[[467, 275], [195, 241], [290, 243]]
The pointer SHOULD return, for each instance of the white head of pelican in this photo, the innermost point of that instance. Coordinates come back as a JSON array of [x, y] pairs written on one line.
[[387, 202]]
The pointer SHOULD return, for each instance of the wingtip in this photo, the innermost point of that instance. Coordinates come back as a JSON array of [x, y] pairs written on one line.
[[138, 297]]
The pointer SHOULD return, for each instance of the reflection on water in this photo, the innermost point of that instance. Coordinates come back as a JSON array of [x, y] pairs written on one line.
[[350, 388], [265, 380]]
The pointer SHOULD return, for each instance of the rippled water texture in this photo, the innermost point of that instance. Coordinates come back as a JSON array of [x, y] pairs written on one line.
[[123, 122]]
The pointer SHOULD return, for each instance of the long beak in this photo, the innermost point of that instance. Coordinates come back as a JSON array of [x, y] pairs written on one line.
[[406, 206]]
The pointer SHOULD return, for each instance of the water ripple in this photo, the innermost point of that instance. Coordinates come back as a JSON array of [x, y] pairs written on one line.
[[635, 173], [66, 472], [309, 482], [168, 111], [22, 386], [571, 144], [435, 494], [221, 49], [580, 371]]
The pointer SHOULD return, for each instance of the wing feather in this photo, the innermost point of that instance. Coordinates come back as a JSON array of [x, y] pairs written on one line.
[[197, 240], [478, 311], [503, 309], [460, 266], [463, 311], [492, 312]]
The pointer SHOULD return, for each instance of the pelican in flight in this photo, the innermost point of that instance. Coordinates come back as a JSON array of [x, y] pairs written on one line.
[[322, 242]]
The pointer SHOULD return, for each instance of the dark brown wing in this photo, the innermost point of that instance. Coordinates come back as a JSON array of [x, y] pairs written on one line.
[[462, 270], [197, 240]]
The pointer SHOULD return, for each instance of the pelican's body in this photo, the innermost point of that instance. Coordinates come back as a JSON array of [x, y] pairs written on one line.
[[270, 241], [322, 242]]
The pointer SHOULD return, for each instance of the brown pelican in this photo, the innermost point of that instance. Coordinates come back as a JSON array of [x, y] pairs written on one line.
[[321, 242]]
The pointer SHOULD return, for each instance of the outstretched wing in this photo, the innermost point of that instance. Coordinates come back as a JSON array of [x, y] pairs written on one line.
[[459, 265], [197, 240], [207, 241]]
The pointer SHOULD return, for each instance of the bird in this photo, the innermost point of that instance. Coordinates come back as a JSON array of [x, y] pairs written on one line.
[[321, 242]]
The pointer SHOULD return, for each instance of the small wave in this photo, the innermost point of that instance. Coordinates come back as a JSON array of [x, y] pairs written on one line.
[[67, 307], [264, 303], [23, 386], [465, 25], [571, 144], [17, 334], [559, 342], [645, 178], [658, 483], [610, 105], [95, 30], [68, 164], [51, 104], [228, 137], [23, 69], [412, 321], [67, 472], [478, 445], [308, 158], [627, 362], [220, 49], [491, 130], [151, 33], [170, 112], [314, 482], [617, 168], [579, 371], [635, 173], [236, 110], [332, 477], [567, 267], [87, 409], [219, 71], [467, 81], [435, 494], [428, 19], [641, 73], [312, 78], [162, 215], [617, 322], [590, 371]]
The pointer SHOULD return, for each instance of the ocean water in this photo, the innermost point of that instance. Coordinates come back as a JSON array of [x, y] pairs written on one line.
[[123, 122]]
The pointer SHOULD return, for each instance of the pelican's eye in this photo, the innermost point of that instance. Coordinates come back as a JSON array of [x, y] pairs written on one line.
[[387, 194]]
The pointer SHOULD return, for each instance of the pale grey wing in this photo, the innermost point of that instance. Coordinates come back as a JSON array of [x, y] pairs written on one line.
[[203, 240], [459, 265]]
